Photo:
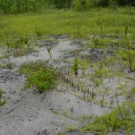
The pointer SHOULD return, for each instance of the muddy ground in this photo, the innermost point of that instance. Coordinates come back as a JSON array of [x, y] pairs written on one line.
[[27, 112]]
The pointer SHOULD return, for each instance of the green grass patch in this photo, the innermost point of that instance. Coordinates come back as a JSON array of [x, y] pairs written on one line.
[[73, 23]]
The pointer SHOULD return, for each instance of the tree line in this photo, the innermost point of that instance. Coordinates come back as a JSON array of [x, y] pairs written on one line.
[[18, 6]]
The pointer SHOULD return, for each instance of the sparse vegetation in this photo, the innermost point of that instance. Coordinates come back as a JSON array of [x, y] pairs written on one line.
[[112, 122], [99, 70]]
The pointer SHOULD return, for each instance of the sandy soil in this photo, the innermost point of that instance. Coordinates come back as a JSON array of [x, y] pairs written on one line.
[[30, 113]]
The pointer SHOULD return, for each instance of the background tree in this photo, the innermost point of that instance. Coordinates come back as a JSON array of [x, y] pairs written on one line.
[[19, 6]]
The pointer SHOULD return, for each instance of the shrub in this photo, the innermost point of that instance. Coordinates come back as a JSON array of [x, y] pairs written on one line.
[[40, 76]]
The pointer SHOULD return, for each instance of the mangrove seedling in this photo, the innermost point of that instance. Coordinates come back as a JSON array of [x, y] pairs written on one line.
[[126, 29], [78, 53], [102, 32], [78, 88], [72, 82], [111, 103], [39, 32], [84, 95], [8, 51], [75, 67], [26, 40], [1, 95], [119, 106], [96, 41], [48, 48], [102, 101], [87, 92], [105, 55], [9, 65], [128, 54], [93, 95]]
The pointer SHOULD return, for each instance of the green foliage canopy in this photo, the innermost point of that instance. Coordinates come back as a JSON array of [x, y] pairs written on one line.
[[19, 6]]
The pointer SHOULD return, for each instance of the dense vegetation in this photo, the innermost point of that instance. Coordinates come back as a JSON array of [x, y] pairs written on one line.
[[49, 23], [19, 6]]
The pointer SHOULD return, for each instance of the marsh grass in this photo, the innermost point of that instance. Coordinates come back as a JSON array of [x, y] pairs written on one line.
[[75, 24]]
